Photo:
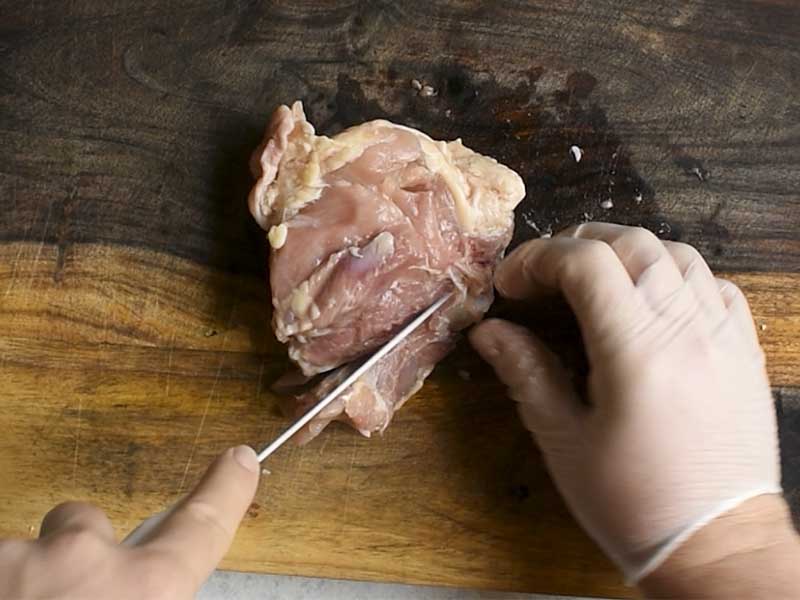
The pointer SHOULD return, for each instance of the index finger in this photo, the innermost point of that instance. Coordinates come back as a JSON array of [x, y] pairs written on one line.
[[199, 531], [587, 272]]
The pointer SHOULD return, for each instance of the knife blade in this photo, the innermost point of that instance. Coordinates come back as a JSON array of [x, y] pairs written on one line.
[[151, 524], [363, 368]]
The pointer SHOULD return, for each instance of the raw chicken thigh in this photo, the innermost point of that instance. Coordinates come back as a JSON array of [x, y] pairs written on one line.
[[367, 229]]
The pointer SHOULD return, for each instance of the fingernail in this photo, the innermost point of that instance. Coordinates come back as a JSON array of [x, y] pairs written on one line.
[[246, 457], [498, 279], [498, 285]]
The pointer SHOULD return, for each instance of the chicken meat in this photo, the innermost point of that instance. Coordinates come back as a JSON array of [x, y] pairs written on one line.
[[367, 229]]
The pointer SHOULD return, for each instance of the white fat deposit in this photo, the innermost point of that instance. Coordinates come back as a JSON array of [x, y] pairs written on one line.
[[301, 299], [277, 235], [314, 311], [383, 244]]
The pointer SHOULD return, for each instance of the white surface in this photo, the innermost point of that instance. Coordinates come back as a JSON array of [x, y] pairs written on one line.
[[246, 586]]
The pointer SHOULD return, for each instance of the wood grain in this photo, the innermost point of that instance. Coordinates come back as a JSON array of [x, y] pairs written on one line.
[[123, 400], [130, 124], [130, 429], [133, 311], [116, 295]]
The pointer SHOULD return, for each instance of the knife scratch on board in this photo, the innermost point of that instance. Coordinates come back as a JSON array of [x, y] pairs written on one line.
[[213, 388], [41, 244], [202, 423], [77, 444], [169, 366]]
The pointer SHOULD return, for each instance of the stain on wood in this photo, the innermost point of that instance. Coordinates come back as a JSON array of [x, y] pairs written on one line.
[[134, 340], [788, 405]]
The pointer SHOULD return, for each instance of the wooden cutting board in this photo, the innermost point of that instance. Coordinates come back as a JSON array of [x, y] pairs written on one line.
[[134, 339]]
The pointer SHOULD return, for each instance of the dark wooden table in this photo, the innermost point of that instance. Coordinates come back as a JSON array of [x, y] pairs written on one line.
[[133, 314]]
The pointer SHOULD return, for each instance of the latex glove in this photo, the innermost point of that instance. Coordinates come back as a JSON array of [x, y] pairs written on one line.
[[76, 555], [681, 425]]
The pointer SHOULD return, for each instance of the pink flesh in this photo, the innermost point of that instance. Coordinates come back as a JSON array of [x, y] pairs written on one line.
[[364, 290], [370, 404], [362, 297]]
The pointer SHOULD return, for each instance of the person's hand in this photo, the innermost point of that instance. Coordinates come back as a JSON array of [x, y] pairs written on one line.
[[77, 556], [679, 426]]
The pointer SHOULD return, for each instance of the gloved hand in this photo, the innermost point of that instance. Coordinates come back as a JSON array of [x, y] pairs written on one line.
[[680, 425], [76, 555]]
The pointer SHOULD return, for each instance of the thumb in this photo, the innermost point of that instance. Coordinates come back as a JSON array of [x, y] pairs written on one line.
[[201, 528], [535, 377]]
